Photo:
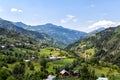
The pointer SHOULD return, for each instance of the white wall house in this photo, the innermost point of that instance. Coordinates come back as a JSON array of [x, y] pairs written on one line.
[[102, 78], [51, 77]]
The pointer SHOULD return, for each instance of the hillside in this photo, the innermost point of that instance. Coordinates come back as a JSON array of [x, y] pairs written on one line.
[[21, 56], [9, 38], [60, 33], [43, 38], [24, 58], [105, 45]]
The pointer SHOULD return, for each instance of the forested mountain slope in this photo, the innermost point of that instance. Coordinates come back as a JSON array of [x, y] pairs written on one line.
[[104, 45], [41, 37]]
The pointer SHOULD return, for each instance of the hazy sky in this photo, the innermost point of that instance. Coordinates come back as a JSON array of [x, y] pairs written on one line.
[[83, 15]]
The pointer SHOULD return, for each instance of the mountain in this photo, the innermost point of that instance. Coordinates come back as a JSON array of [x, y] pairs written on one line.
[[21, 25], [1, 19], [105, 45], [10, 37], [43, 38], [97, 30], [60, 33]]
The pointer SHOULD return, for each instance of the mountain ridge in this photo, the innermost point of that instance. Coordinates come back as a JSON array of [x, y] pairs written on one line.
[[43, 38], [60, 33], [104, 45]]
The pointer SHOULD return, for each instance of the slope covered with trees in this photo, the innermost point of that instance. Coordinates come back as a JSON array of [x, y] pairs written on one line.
[[41, 37], [104, 45], [23, 58]]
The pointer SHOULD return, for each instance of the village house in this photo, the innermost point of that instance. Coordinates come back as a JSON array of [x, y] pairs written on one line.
[[27, 60], [51, 77], [64, 73], [3, 47], [54, 58], [57, 49], [102, 78], [51, 57], [32, 58], [75, 73]]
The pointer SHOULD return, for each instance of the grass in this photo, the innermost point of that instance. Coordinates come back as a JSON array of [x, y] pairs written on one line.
[[45, 52], [63, 61], [117, 77]]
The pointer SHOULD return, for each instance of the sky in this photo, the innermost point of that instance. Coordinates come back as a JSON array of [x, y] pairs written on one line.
[[82, 15]]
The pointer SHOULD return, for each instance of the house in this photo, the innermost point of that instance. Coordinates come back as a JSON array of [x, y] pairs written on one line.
[[64, 73], [51, 77], [102, 78], [54, 58], [3, 47], [12, 45], [27, 60], [57, 49], [75, 73], [32, 58]]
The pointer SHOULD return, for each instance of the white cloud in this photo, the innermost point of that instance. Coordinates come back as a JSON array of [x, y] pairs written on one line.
[[75, 20], [69, 18], [20, 11], [63, 21], [104, 23], [16, 10], [13, 10]]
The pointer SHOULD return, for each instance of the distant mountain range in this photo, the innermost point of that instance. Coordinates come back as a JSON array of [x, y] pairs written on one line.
[[105, 45], [60, 33], [51, 34], [43, 38]]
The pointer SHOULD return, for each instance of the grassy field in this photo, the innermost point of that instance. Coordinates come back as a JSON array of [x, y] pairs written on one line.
[[63, 61]]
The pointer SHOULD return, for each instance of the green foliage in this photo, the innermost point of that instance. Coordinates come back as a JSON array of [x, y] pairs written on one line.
[[43, 62], [30, 65], [103, 45], [4, 73], [10, 78], [19, 69], [86, 74]]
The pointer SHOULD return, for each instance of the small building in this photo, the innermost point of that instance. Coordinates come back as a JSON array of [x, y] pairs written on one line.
[[64, 73], [51, 77], [57, 49], [54, 58], [3, 47], [32, 58], [75, 73], [27, 60], [12, 45], [102, 78]]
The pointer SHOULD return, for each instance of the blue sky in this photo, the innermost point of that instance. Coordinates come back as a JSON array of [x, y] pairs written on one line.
[[83, 15]]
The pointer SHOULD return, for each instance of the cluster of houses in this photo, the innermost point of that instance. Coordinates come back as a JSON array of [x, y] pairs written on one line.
[[28, 60], [65, 74], [7, 47]]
